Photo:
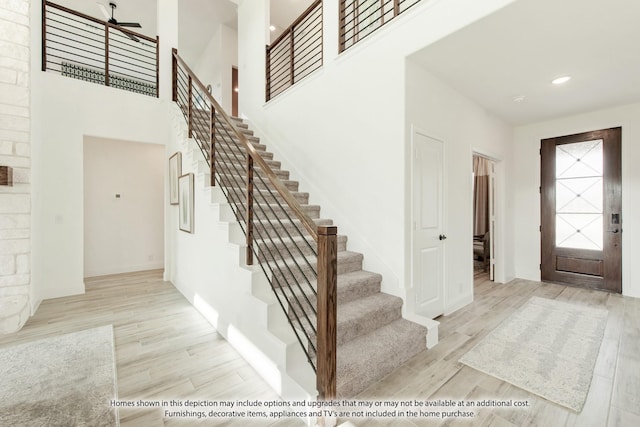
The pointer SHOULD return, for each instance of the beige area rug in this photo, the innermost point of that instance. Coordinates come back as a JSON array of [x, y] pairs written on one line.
[[67, 380], [547, 347]]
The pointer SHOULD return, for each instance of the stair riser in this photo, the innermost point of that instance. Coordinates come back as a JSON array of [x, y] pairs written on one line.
[[265, 197], [232, 143], [234, 181], [235, 155], [304, 271], [275, 228], [346, 330], [274, 165], [280, 247], [274, 211]]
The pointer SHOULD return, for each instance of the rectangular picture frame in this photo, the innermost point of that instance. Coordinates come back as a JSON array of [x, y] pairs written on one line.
[[185, 205], [175, 171]]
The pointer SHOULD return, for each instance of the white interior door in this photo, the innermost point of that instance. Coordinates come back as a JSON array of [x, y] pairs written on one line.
[[428, 236]]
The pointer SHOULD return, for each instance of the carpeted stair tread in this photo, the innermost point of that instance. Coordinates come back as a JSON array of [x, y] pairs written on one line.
[[357, 284], [350, 286], [297, 245], [302, 270], [358, 317], [373, 339], [361, 316], [370, 357]]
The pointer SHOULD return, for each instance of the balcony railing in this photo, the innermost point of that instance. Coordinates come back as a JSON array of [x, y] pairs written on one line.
[[296, 53], [359, 18], [83, 47]]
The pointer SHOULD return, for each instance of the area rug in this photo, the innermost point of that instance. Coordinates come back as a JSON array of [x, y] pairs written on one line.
[[547, 347], [67, 380]]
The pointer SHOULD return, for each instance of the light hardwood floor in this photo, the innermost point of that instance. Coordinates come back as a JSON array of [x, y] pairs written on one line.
[[614, 396], [165, 349]]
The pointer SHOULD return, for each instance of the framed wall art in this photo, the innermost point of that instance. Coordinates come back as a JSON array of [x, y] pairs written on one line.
[[175, 171], [185, 206]]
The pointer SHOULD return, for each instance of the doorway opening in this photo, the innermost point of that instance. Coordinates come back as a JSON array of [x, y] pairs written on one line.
[[234, 91], [483, 217]]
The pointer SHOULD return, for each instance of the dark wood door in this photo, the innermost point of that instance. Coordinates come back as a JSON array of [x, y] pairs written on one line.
[[581, 210], [234, 91]]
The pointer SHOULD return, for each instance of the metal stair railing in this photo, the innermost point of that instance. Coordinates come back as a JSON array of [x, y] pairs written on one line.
[[298, 256]]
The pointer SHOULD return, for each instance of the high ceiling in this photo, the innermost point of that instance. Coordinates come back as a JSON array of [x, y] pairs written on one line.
[[142, 11], [198, 21], [284, 12], [518, 50]]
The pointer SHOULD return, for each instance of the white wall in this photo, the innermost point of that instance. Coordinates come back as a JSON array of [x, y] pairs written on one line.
[[527, 181], [465, 128], [214, 66], [342, 130], [126, 233], [15, 152], [64, 112]]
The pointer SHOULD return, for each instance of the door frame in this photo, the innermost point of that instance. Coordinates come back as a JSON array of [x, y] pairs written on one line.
[[411, 289], [498, 257], [492, 210], [547, 218]]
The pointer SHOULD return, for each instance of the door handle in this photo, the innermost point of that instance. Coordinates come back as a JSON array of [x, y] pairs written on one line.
[[442, 237], [614, 231]]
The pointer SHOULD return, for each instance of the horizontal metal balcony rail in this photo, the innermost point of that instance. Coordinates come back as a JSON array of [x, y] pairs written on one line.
[[297, 256], [85, 48], [296, 53], [359, 18]]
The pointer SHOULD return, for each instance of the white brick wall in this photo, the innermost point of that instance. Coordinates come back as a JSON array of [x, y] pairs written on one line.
[[15, 151]]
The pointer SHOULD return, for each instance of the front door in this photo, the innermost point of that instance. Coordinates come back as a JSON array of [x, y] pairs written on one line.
[[428, 238], [581, 210]]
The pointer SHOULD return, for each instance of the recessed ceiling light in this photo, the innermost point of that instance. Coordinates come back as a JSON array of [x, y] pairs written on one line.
[[272, 27], [561, 80]]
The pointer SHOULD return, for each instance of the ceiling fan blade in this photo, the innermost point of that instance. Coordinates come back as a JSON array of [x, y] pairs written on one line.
[[131, 36], [130, 24], [104, 10]]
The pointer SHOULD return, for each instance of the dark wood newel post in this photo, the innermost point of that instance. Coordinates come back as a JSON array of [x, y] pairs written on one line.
[[174, 71], [268, 73], [249, 213], [327, 308], [44, 36], [157, 66], [293, 67], [212, 147], [190, 95], [106, 55]]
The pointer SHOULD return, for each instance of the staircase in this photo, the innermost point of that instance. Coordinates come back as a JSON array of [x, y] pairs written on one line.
[[372, 338]]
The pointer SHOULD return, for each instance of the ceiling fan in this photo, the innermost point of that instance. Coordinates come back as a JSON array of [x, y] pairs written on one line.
[[112, 20]]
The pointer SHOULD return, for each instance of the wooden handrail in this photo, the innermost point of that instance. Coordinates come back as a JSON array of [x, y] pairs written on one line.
[[296, 22], [284, 192], [324, 236], [98, 21]]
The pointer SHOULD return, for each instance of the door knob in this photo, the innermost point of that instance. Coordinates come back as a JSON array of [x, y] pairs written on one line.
[[615, 230], [442, 237]]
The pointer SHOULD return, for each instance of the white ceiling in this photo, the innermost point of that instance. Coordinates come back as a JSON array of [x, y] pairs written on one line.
[[284, 12], [518, 50], [142, 11], [198, 21]]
